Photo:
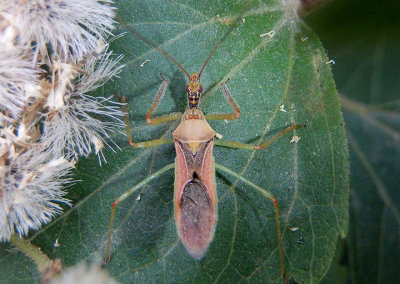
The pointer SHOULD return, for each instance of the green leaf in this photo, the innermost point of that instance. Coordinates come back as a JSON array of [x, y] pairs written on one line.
[[276, 80], [364, 42], [338, 272]]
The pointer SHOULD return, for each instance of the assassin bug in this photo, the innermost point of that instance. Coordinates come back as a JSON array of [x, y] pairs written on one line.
[[195, 198]]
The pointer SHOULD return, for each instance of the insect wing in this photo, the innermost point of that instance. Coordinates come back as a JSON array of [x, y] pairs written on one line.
[[195, 197]]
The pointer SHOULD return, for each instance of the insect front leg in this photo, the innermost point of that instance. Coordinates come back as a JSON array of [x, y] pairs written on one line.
[[162, 118], [124, 196], [268, 195], [151, 143], [228, 97]]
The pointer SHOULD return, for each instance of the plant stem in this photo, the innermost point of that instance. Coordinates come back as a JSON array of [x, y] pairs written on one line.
[[45, 265]]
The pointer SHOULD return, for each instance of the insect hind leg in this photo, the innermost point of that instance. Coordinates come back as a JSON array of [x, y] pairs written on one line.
[[268, 195], [125, 195]]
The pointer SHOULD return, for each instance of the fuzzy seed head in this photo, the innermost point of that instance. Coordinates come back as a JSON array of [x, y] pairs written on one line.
[[78, 124], [83, 274], [72, 28], [16, 77], [31, 186]]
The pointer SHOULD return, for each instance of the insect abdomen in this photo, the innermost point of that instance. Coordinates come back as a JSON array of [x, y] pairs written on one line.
[[197, 218]]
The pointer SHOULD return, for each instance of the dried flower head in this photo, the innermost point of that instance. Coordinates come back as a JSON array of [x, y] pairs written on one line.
[[83, 274], [75, 130], [31, 183], [76, 122], [16, 76], [72, 28], [52, 53]]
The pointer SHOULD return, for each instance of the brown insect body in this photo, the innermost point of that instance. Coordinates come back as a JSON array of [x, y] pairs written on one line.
[[195, 197], [195, 188]]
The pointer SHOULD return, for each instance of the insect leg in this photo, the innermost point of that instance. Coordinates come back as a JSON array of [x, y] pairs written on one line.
[[233, 144], [228, 116], [124, 196], [163, 118], [143, 144], [268, 195]]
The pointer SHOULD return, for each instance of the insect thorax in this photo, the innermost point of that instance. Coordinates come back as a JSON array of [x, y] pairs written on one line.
[[193, 99], [193, 113], [194, 89], [193, 127]]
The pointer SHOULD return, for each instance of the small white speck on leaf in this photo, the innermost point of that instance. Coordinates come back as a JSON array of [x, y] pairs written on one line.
[[330, 62], [270, 34], [295, 139], [144, 62]]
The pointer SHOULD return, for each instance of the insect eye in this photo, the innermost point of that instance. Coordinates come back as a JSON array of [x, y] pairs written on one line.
[[187, 89], [200, 89]]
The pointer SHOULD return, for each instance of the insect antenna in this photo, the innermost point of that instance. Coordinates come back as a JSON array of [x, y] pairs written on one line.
[[233, 25], [152, 44]]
